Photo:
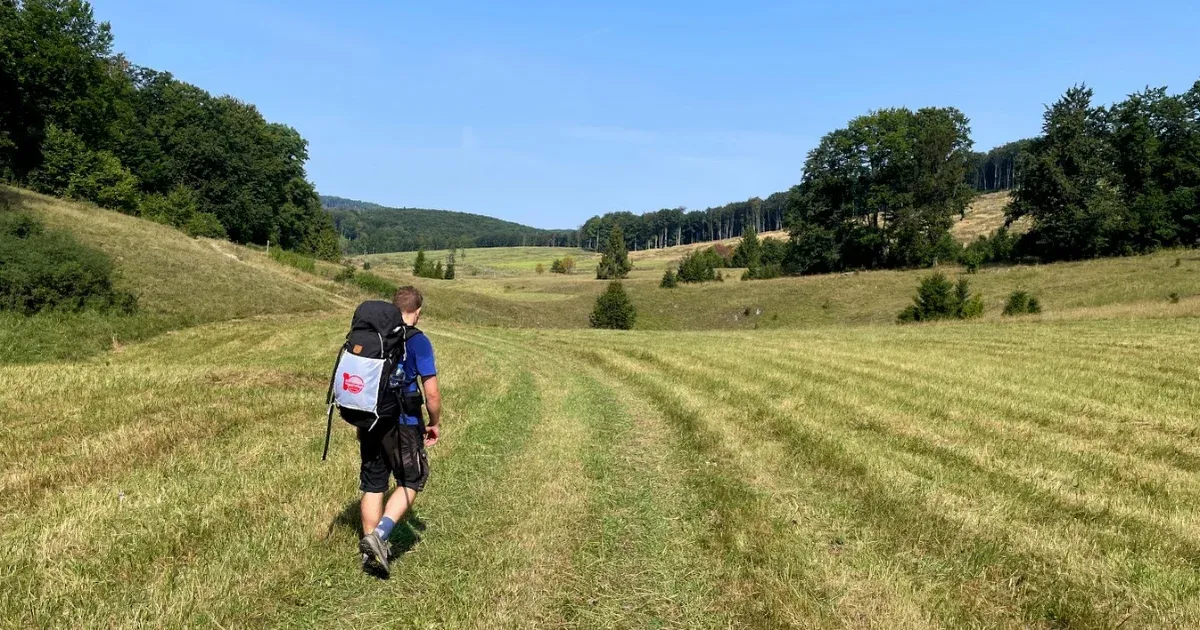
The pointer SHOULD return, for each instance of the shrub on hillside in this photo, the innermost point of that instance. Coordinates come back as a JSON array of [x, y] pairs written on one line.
[[1001, 247], [700, 265], [563, 265], [180, 208], [762, 272], [540, 269], [372, 283], [613, 309], [774, 251], [292, 259], [366, 265], [669, 279], [1021, 302], [205, 224], [345, 275], [45, 270], [937, 298], [69, 169], [107, 184], [450, 273]]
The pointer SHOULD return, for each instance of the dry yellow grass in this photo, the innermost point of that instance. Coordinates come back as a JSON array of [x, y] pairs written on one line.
[[984, 217]]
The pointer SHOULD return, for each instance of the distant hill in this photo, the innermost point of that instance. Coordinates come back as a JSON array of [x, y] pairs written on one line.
[[368, 227]]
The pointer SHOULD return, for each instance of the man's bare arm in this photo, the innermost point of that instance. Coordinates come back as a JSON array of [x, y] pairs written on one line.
[[433, 400]]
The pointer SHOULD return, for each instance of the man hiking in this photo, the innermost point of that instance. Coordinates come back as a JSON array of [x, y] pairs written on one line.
[[396, 445]]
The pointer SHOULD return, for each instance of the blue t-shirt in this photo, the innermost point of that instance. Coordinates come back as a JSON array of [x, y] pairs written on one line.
[[418, 362]]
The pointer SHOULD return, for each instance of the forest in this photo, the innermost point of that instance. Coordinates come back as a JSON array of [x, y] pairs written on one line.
[[367, 228], [80, 121]]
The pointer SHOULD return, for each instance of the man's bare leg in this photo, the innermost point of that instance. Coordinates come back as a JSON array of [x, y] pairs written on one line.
[[371, 507], [376, 519]]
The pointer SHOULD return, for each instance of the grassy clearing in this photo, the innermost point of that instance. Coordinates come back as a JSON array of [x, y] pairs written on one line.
[[990, 475], [1116, 287]]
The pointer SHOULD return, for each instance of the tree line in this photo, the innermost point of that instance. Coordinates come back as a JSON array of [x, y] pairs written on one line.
[[1108, 181], [884, 191], [368, 228], [987, 172], [678, 226], [79, 121], [997, 169]]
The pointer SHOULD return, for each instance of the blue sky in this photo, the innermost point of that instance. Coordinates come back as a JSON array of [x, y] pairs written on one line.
[[549, 112]]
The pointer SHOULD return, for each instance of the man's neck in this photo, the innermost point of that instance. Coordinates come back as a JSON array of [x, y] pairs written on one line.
[[410, 319]]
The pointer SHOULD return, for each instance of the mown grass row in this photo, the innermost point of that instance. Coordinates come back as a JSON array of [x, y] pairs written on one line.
[[975, 512], [939, 476]]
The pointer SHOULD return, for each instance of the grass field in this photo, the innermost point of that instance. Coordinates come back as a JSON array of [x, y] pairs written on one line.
[[833, 471], [998, 475]]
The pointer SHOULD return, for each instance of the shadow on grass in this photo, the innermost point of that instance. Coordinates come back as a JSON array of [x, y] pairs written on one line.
[[404, 538]]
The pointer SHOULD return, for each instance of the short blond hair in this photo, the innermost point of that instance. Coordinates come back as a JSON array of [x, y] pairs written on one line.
[[408, 299]]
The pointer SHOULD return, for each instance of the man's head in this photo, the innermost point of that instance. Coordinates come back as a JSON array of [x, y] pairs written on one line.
[[409, 300]]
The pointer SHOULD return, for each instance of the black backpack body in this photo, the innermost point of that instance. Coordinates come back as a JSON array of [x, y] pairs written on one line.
[[374, 347]]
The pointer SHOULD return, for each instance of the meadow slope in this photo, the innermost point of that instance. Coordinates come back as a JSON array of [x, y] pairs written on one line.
[[987, 475], [180, 282]]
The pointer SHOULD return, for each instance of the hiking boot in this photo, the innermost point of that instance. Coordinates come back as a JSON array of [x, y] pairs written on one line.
[[375, 552]]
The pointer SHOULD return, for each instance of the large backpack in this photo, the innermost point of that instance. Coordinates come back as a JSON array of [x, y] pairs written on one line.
[[358, 387]]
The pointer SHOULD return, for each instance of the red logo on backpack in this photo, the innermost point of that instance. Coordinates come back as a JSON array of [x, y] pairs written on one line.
[[352, 383]]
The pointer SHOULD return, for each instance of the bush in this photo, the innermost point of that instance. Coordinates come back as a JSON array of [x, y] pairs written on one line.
[[372, 283], [968, 305], [70, 169], [205, 224], [669, 280], [1174, 297], [540, 269], [613, 309], [938, 299], [449, 275], [763, 272], [107, 184], [1001, 247], [1022, 303], [174, 208], [563, 265], [366, 265], [700, 266], [292, 259], [50, 271], [345, 275]]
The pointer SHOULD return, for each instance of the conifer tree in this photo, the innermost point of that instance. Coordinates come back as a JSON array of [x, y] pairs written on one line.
[[421, 266], [613, 309], [614, 264]]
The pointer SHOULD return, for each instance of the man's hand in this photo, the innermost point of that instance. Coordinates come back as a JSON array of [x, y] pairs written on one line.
[[432, 433]]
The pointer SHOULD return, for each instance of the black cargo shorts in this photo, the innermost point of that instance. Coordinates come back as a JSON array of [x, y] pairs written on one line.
[[392, 449]]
